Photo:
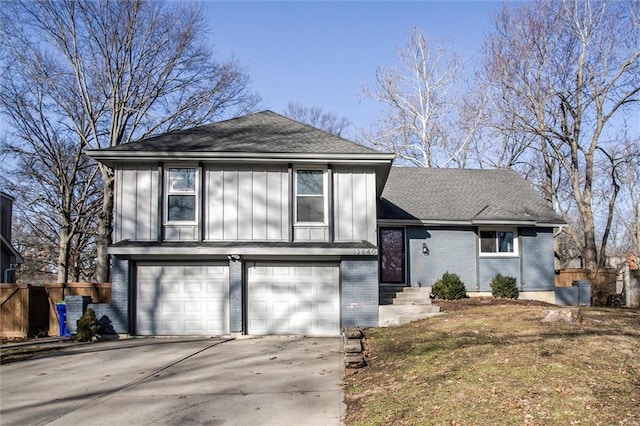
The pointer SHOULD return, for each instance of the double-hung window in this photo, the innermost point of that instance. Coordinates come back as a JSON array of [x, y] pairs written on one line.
[[311, 198], [181, 194], [498, 242]]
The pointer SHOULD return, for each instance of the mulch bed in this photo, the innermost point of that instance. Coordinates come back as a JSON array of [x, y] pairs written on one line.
[[471, 302]]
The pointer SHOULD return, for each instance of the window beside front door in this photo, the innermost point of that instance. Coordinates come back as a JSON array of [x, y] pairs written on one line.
[[392, 255], [311, 200], [498, 242], [181, 195]]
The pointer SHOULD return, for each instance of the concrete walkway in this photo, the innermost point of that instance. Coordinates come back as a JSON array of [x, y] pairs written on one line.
[[265, 381]]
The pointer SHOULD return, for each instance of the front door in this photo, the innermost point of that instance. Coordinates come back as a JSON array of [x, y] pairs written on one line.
[[392, 255]]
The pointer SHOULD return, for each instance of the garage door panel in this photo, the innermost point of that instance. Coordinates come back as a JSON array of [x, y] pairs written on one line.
[[305, 307], [301, 298], [182, 300], [326, 307]]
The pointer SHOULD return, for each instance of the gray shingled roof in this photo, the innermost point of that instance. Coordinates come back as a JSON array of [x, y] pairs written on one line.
[[265, 131], [462, 195]]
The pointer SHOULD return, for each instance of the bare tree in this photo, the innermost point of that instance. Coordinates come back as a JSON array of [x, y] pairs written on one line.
[[317, 117], [115, 71], [566, 72], [54, 182], [423, 116], [628, 210]]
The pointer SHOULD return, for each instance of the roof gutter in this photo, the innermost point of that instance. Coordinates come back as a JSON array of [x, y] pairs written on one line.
[[106, 156], [428, 222]]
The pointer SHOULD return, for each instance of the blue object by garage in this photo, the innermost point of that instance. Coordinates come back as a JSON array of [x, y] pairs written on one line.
[[62, 319]]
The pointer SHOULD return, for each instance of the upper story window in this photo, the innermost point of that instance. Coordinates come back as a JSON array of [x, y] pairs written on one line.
[[181, 194], [311, 197], [500, 242]]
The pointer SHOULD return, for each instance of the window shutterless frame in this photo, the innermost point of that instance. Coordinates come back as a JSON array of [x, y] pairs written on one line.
[[181, 194], [311, 201], [498, 242]]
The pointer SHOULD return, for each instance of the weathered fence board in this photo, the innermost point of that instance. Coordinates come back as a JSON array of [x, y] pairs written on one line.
[[23, 310], [28, 310]]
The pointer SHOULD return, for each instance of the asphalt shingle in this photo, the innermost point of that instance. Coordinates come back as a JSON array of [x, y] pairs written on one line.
[[265, 132], [462, 195]]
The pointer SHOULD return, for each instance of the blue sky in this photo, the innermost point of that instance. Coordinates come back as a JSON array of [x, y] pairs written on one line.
[[323, 53]]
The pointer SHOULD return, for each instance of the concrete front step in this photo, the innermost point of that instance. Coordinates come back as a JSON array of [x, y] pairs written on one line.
[[392, 315], [413, 296], [419, 290], [411, 299]]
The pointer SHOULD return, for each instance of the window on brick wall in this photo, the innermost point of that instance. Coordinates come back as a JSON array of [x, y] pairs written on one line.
[[498, 242]]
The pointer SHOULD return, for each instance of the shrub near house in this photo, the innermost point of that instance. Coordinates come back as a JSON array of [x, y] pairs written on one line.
[[504, 287], [449, 287]]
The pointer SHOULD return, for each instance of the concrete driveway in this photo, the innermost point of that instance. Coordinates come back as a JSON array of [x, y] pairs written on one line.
[[249, 381]]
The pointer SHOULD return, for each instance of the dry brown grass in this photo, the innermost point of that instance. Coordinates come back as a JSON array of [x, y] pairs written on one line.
[[501, 365]]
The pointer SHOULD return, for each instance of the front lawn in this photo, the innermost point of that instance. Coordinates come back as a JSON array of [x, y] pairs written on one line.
[[501, 365]]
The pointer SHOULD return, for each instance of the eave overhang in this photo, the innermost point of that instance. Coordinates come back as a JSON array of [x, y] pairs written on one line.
[[468, 223], [246, 249]]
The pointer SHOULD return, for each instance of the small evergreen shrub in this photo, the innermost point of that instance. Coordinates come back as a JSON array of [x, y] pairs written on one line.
[[88, 326], [449, 287], [504, 287]]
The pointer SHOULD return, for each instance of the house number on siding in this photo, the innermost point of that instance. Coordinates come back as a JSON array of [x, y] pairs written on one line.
[[365, 252]]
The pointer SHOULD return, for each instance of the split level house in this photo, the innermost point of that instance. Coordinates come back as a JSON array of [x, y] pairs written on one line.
[[264, 225]]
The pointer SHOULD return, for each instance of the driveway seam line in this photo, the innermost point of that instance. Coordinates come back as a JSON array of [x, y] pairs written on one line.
[[109, 394]]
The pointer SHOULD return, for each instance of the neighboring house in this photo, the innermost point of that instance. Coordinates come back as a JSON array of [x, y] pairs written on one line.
[[263, 225], [9, 256], [474, 223]]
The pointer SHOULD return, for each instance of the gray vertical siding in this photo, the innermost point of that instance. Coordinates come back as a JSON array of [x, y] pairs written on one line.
[[354, 204], [136, 203], [246, 203], [359, 291], [536, 248], [450, 250]]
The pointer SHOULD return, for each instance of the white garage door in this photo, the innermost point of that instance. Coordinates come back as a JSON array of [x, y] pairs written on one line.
[[182, 299], [294, 299]]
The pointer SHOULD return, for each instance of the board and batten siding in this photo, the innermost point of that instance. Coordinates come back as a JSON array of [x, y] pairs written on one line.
[[136, 202], [244, 203], [354, 204]]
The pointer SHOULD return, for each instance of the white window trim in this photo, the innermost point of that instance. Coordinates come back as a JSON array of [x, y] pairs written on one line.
[[516, 242], [325, 195], [165, 194]]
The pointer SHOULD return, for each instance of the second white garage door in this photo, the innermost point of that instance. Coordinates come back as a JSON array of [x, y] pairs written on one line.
[[187, 299], [300, 298]]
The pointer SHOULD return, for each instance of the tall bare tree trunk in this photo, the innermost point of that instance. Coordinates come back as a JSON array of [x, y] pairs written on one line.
[[105, 226], [64, 248]]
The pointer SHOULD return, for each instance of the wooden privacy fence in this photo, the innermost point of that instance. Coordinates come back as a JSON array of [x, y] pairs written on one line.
[[603, 282], [27, 310], [24, 310]]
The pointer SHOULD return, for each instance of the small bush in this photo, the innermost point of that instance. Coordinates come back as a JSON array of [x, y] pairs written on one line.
[[504, 287], [87, 326], [449, 287]]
